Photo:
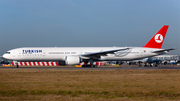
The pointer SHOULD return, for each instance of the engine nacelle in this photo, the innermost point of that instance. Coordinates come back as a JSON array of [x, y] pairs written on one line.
[[72, 60]]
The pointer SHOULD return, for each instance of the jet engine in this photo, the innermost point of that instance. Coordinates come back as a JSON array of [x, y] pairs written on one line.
[[72, 60]]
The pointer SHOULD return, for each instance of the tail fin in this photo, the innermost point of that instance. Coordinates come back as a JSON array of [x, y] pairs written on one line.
[[158, 39]]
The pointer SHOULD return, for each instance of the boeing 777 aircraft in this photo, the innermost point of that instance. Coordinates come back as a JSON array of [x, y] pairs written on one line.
[[76, 55]]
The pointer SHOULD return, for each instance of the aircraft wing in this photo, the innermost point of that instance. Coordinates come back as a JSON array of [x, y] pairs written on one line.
[[163, 50], [103, 53]]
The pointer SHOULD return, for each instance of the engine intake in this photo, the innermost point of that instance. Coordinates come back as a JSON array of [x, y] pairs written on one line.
[[72, 60]]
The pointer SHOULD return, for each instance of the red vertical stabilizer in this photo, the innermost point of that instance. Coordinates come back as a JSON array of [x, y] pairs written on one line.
[[158, 39]]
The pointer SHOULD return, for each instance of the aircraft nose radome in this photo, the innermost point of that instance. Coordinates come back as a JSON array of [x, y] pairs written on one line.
[[5, 56]]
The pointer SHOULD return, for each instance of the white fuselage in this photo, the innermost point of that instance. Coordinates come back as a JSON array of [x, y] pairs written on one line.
[[59, 53]]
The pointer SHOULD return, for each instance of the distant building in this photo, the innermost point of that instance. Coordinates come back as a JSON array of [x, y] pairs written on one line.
[[167, 57]]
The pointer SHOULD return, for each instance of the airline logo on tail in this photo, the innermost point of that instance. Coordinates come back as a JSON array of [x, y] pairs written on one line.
[[158, 38]]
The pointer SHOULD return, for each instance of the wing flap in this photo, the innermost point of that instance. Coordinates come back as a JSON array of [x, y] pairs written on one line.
[[103, 53]]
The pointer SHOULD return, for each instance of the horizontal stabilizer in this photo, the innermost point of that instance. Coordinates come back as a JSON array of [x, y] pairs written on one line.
[[163, 50]]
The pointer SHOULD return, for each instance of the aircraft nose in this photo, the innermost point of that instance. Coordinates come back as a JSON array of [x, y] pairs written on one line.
[[6, 56]]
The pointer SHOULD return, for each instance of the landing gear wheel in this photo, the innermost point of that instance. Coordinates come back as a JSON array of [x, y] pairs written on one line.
[[95, 66], [89, 65]]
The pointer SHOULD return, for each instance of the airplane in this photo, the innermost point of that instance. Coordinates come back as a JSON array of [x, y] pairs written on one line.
[[148, 62], [76, 55]]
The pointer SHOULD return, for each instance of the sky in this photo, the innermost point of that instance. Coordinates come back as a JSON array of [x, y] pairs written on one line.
[[87, 23]]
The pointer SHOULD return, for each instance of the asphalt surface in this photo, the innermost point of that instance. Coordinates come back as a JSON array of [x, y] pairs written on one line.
[[100, 68]]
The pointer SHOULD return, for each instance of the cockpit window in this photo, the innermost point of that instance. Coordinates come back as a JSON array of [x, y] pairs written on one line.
[[7, 53]]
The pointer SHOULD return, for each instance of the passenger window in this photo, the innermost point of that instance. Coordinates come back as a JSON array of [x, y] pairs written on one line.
[[67, 52], [56, 52]]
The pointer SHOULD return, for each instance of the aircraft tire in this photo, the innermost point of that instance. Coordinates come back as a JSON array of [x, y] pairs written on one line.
[[17, 66], [95, 66]]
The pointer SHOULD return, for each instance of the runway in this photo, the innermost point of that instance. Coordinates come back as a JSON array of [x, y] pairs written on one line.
[[100, 68]]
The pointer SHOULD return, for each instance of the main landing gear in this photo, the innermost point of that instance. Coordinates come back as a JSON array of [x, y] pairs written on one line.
[[89, 65], [150, 65]]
